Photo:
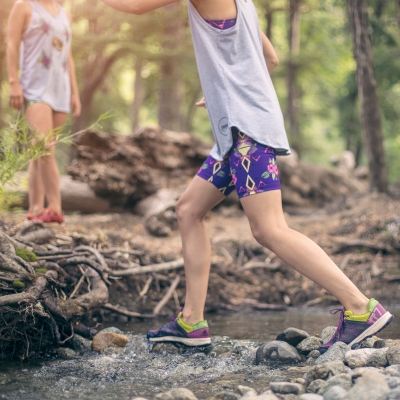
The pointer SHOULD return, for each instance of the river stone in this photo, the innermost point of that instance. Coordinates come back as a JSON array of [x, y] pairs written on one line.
[[113, 329], [278, 352], [139, 398], [176, 394], [293, 336], [393, 355], [106, 339], [394, 394], [325, 371], [302, 381], [371, 385], [366, 357], [285, 387], [357, 372], [245, 390], [226, 395], [316, 386], [314, 354], [342, 380], [309, 344], [393, 370], [311, 396], [66, 353], [80, 344], [386, 343], [369, 343], [335, 393], [268, 395], [327, 334], [335, 353], [393, 381], [113, 351]]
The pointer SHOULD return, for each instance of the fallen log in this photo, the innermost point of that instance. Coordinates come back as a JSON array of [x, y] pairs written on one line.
[[150, 268]]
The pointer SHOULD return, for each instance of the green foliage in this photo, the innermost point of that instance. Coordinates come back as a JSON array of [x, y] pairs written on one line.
[[41, 270], [18, 285], [26, 255]]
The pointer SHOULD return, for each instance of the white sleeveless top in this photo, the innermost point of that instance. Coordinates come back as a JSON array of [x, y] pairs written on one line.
[[236, 83], [44, 58]]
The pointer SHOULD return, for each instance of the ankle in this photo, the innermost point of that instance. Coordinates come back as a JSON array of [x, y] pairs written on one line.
[[359, 306], [191, 318]]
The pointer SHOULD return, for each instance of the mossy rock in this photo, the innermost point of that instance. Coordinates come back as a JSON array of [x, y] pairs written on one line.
[[41, 270], [26, 255], [19, 285]]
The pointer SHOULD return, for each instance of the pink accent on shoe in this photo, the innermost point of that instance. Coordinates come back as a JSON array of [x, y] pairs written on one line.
[[49, 215], [199, 333], [376, 314]]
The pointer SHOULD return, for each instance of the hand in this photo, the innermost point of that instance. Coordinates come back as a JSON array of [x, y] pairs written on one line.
[[202, 103], [16, 99], [76, 106]]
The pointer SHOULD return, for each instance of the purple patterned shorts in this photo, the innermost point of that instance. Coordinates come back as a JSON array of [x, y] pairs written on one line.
[[250, 167]]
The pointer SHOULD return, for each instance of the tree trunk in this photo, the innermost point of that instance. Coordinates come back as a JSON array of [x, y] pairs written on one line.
[[398, 14], [269, 18], [293, 101], [170, 95], [366, 83], [139, 93]]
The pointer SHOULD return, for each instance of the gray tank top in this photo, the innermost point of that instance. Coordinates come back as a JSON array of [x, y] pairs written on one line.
[[44, 58], [236, 83]]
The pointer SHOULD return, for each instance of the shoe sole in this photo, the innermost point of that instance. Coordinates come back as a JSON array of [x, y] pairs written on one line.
[[378, 326], [185, 341]]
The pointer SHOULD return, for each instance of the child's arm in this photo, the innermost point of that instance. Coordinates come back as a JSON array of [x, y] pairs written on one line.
[[271, 59], [138, 7]]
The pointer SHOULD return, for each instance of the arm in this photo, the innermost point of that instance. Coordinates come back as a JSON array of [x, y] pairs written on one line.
[[75, 99], [138, 7], [271, 59], [16, 24]]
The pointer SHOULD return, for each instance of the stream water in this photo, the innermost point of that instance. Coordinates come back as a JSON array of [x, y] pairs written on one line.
[[138, 372]]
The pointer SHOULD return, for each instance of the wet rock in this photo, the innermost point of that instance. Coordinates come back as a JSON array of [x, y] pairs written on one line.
[[369, 343], [366, 357], [66, 353], [285, 387], [325, 371], [316, 386], [246, 391], [342, 380], [113, 351], [113, 329], [335, 393], [277, 352], [394, 394], [310, 396], [393, 381], [176, 394], [393, 355], [293, 336], [327, 333], [336, 352], [106, 339], [226, 395], [314, 354], [309, 344], [80, 344], [371, 385], [393, 370]]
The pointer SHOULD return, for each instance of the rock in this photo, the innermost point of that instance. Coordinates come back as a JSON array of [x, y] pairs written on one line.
[[106, 339], [380, 343], [293, 336], [309, 344], [335, 393], [113, 351], [138, 398], [316, 386], [393, 355], [369, 343], [342, 380], [166, 347], [394, 394], [302, 381], [112, 329], [314, 354], [268, 395], [80, 344], [325, 371], [393, 381], [66, 353], [245, 390], [336, 352], [366, 357], [371, 385], [227, 395], [327, 333], [310, 396], [277, 352], [286, 387], [393, 370], [176, 394], [357, 372], [310, 361]]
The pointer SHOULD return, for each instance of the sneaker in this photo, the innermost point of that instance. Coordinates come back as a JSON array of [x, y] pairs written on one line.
[[179, 331], [49, 215], [354, 328], [33, 217]]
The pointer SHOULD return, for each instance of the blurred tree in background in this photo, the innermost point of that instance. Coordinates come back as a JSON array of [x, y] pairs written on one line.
[[142, 69]]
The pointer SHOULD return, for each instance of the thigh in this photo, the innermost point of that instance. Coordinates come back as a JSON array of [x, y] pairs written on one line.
[[40, 118], [200, 197], [59, 118]]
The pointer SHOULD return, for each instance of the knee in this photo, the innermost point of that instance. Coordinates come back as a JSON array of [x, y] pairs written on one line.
[[267, 236], [186, 212]]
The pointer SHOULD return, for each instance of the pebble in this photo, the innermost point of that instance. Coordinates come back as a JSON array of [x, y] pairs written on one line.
[[80, 344], [314, 354], [316, 386], [394, 394], [369, 343], [227, 395], [342, 380], [293, 336], [393, 370], [113, 329], [327, 333], [393, 355], [366, 357], [277, 352], [310, 396], [357, 372], [106, 339], [325, 371], [335, 393], [245, 390], [371, 385], [309, 344], [286, 387], [336, 352], [66, 353], [386, 343], [176, 394], [393, 381]]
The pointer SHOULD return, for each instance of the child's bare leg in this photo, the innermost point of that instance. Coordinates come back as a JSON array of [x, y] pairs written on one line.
[[36, 190], [199, 198], [269, 228]]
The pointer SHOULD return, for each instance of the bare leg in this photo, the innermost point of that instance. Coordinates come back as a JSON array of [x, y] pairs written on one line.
[[36, 189], [199, 198], [267, 222]]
